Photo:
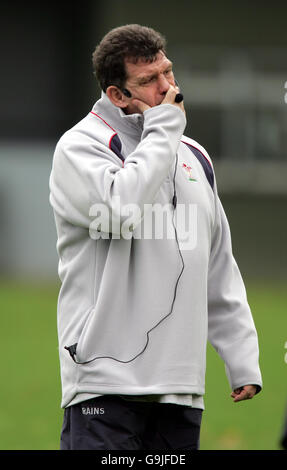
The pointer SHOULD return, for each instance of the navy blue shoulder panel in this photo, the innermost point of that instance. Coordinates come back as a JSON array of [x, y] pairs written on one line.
[[116, 146], [204, 162]]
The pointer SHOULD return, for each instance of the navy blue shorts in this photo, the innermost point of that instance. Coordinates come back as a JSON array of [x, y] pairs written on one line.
[[110, 422]]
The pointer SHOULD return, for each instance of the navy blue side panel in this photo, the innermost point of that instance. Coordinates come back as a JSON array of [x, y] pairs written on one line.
[[204, 162], [116, 146]]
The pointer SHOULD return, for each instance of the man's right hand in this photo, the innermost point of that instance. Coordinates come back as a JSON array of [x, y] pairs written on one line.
[[168, 99]]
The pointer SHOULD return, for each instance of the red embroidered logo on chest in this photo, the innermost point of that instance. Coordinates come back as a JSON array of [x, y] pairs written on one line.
[[188, 170]]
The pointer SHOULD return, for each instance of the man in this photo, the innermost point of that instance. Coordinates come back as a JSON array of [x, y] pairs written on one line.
[[139, 300]]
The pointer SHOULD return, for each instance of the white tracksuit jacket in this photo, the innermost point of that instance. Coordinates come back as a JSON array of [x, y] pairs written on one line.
[[137, 304]]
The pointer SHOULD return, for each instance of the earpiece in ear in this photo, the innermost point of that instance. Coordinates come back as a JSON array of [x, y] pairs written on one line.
[[127, 93]]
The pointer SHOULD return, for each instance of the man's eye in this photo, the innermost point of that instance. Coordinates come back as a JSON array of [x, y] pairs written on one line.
[[147, 81]]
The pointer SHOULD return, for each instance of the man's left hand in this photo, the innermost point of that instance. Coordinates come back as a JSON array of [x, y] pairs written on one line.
[[243, 393]]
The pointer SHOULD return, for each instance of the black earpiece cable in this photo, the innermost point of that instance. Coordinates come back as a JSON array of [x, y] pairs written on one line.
[[72, 349]]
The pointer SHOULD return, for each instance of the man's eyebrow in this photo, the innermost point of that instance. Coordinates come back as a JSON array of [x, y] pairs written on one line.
[[143, 78]]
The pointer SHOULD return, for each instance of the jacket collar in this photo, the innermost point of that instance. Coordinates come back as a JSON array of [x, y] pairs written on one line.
[[116, 118]]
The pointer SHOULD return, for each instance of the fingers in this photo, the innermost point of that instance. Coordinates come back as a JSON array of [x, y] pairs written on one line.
[[243, 393], [170, 95], [141, 105], [170, 98]]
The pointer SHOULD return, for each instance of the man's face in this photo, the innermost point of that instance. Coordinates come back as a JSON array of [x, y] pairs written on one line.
[[149, 81]]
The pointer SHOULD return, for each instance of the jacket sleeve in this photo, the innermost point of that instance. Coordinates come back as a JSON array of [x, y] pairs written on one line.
[[231, 329], [86, 175]]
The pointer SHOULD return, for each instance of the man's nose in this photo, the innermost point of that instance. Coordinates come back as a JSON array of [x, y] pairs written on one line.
[[164, 84]]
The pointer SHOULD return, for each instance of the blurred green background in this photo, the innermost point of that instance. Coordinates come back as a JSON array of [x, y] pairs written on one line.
[[230, 59]]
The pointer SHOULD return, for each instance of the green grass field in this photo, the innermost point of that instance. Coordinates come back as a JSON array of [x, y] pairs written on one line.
[[30, 393]]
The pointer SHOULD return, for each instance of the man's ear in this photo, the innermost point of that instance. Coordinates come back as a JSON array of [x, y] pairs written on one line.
[[116, 96]]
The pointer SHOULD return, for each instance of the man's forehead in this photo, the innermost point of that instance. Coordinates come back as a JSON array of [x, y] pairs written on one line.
[[143, 67]]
